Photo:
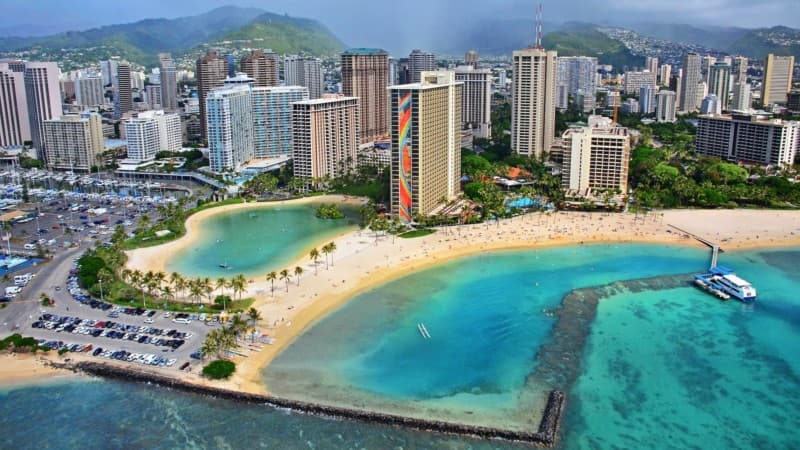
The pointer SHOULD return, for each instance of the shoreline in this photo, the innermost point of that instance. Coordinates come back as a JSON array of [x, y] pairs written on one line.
[[359, 264], [151, 258], [26, 369]]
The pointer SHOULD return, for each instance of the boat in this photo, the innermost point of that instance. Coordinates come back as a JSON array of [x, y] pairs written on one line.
[[423, 331], [224, 266], [722, 282]]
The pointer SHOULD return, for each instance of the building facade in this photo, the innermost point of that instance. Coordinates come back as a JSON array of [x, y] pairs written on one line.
[[307, 72], [742, 100], [151, 132], [426, 144], [634, 81], [14, 121], [89, 90], [418, 62], [229, 124], [262, 67], [476, 99], [577, 73], [168, 77], [777, 79], [748, 138], [689, 98], [365, 72], [43, 98], [533, 111], [123, 100], [665, 106], [720, 83], [272, 119], [73, 142], [596, 158], [647, 100], [325, 137], [210, 71]]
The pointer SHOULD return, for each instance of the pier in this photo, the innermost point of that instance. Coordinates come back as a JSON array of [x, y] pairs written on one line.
[[715, 248]]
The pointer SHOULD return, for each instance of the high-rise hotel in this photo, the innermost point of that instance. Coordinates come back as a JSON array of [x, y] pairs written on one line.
[[365, 74], [426, 144], [325, 136], [533, 110]]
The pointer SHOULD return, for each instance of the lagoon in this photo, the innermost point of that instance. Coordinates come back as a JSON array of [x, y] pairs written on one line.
[[253, 241]]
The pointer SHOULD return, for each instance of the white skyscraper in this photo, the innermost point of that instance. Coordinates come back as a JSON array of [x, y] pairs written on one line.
[[533, 110], [690, 98], [651, 64], [647, 100], [741, 97], [151, 132], [711, 105], [44, 99], [665, 106], [665, 74], [229, 123], [577, 73], [89, 90], [634, 81], [306, 72], [272, 119], [476, 99], [720, 83], [418, 62], [14, 122]]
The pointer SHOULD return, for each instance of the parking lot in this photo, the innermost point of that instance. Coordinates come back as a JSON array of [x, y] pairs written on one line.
[[83, 324]]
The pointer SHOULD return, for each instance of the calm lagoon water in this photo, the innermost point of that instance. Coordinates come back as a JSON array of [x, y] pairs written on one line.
[[671, 368], [255, 240]]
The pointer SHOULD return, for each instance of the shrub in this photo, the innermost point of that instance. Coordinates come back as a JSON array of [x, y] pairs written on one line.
[[219, 369]]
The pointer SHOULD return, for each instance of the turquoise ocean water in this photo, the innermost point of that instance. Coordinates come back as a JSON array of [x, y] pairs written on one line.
[[254, 241], [670, 368]]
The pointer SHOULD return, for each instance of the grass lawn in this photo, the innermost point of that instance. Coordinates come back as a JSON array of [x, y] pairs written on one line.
[[416, 233]]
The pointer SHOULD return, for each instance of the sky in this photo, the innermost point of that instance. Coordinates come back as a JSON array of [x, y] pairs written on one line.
[[385, 21]]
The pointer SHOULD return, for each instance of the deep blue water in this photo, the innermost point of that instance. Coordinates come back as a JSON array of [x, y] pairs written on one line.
[[661, 369]]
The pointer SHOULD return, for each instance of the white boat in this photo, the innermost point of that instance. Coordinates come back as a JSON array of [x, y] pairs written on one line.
[[721, 280]]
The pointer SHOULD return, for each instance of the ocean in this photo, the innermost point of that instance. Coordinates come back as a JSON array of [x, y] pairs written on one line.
[[664, 367]]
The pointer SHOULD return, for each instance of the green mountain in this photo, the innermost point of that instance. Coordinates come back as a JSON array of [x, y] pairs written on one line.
[[577, 39], [753, 43], [139, 42], [284, 34], [781, 41]]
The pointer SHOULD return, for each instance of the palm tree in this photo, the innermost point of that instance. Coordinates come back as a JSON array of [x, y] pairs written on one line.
[[331, 250], [314, 256], [286, 277], [125, 274], [254, 316], [271, 277], [147, 279], [196, 289], [221, 284], [238, 284], [160, 277], [297, 272], [208, 288], [324, 250], [167, 292], [180, 284], [237, 325]]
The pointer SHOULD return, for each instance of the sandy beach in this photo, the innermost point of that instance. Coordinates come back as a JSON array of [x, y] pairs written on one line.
[[153, 258], [26, 368], [360, 264]]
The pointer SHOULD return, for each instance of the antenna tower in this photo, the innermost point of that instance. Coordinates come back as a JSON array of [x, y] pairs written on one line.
[[539, 27]]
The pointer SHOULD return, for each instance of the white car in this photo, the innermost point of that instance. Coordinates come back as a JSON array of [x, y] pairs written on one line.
[[183, 321], [148, 320]]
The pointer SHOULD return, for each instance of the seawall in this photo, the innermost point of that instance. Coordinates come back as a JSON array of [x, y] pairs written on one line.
[[546, 436]]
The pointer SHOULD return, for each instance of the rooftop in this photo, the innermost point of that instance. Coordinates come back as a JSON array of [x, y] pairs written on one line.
[[364, 51]]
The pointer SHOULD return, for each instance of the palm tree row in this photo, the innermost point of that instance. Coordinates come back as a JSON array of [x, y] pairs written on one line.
[[176, 285], [221, 341], [326, 250]]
